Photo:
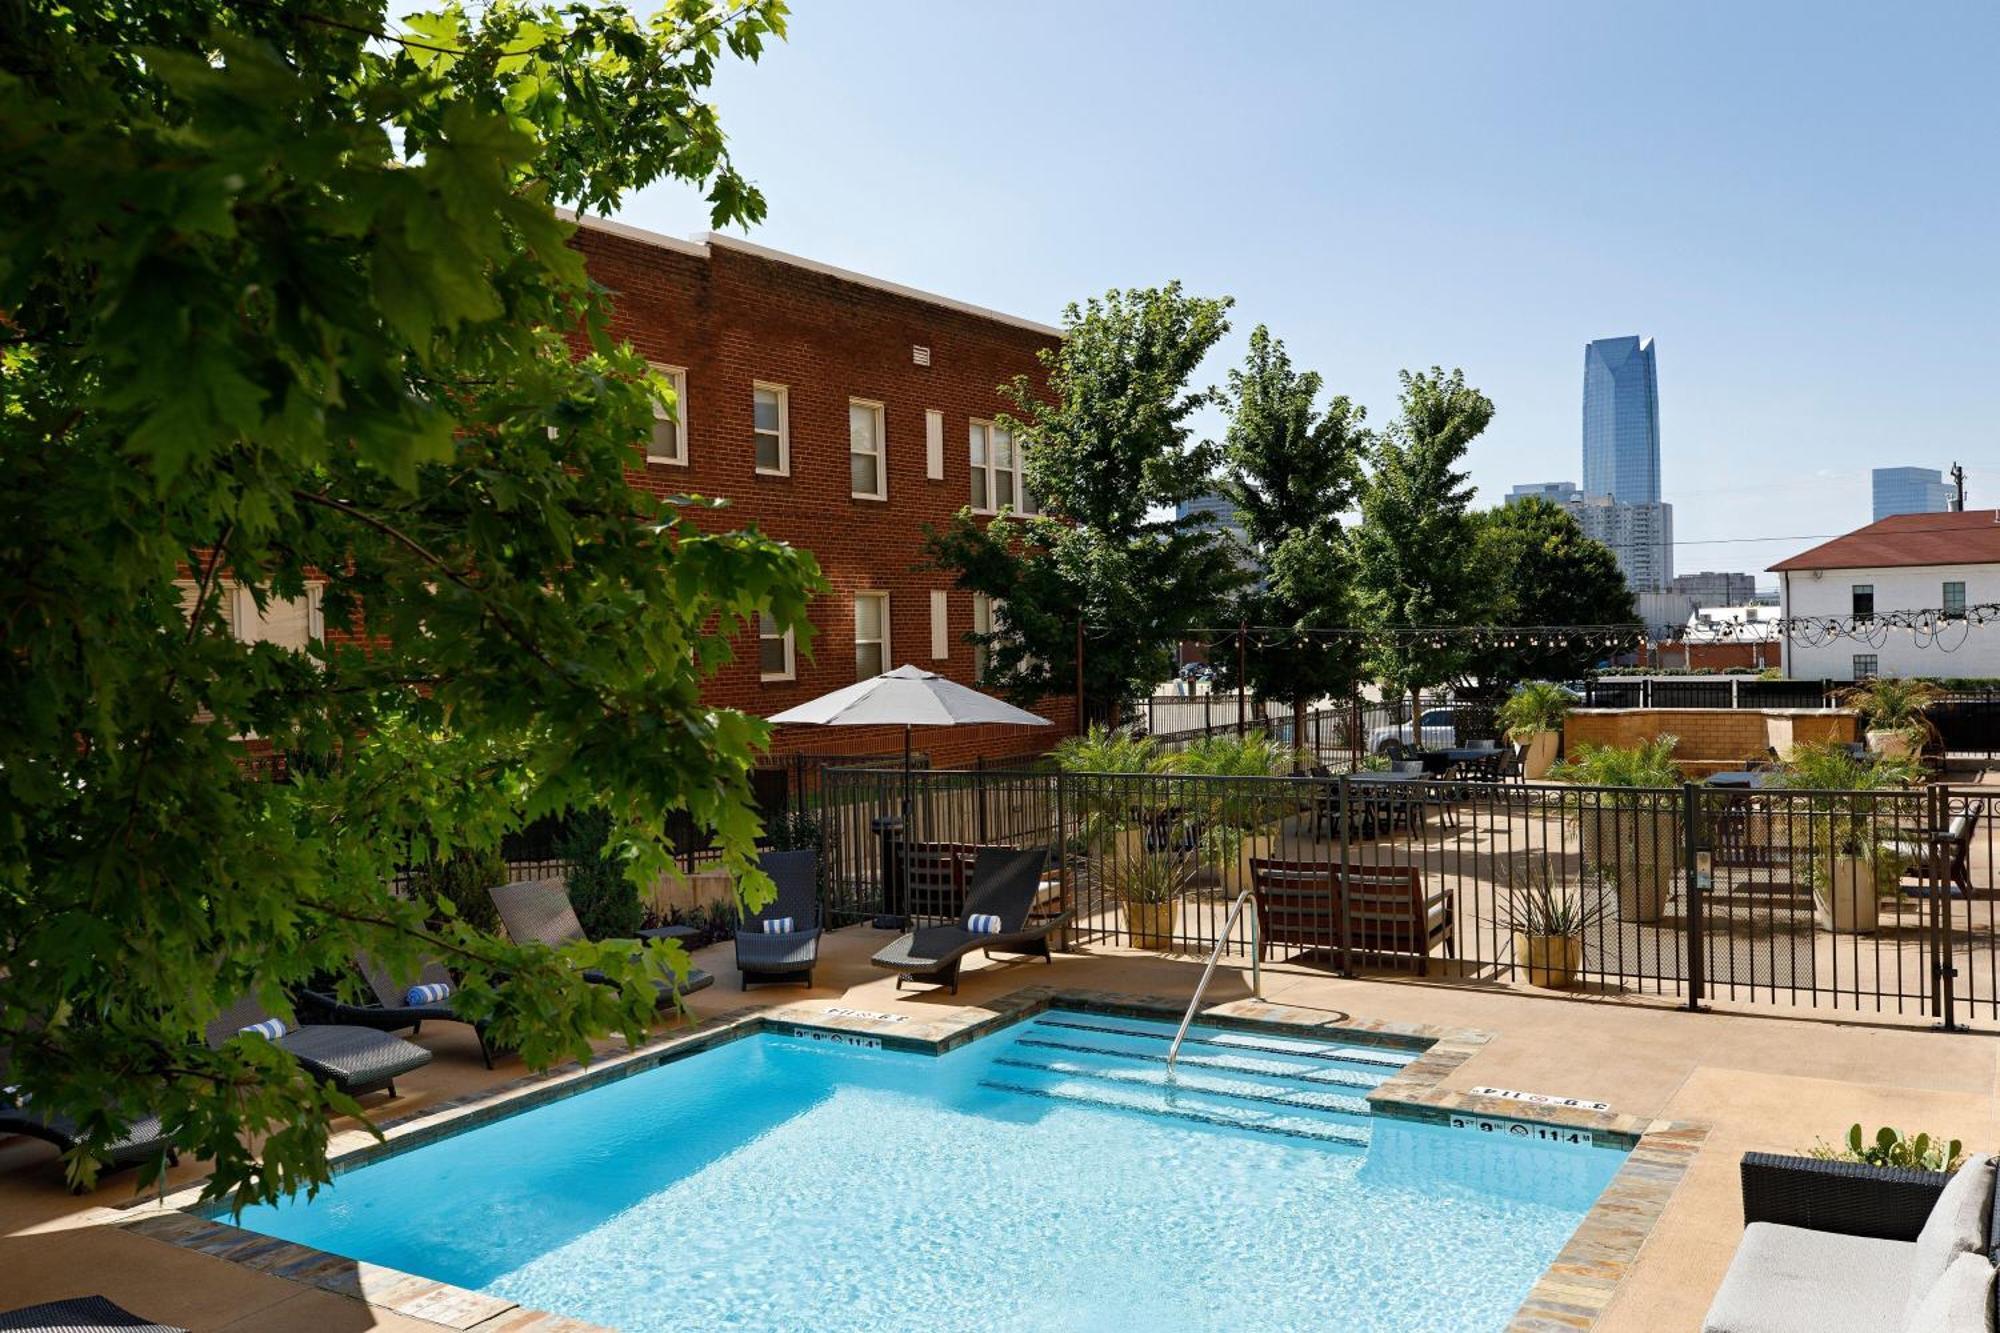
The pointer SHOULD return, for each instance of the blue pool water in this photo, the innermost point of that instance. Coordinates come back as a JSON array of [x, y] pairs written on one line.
[[1046, 1177]]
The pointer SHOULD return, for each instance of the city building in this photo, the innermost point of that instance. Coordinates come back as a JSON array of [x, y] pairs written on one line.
[[843, 414], [1640, 535], [1726, 638], [1910, 490], [1223, 518], [1621, 420], [1929, 567], [1710, 588], [1555, 492]]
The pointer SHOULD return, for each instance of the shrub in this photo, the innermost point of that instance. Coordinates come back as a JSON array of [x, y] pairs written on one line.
[[1892, 1147], [606, 901], [1650, 764], [463, 879], [1533, 709], [1103, 751]]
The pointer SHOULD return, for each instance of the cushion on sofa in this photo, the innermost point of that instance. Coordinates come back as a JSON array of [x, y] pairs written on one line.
[[1959, 1302], [1957, 1225], [1791, 1280]]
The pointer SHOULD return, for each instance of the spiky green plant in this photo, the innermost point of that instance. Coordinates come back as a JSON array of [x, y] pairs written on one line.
[[1892, 703], [1892, 1147], [1534, 708], [1647, 765]]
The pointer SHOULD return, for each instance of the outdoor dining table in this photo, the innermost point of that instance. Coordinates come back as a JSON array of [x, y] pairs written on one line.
[[1744, 778], [1450, 757]]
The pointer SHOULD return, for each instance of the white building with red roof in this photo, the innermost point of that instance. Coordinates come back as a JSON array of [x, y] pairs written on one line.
[[1890, 599]]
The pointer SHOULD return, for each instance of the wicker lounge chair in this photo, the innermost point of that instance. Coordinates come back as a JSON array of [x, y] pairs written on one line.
[[1833, 1246], [539, 911], [143, 1140], [353, 1059], [390, 1012], [79, 1314], [1004, 884], [763, 955]]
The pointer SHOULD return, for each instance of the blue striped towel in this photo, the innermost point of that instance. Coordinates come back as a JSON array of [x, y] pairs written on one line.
[[433, 993], [777, 925], [270, 1029], [983, 923]]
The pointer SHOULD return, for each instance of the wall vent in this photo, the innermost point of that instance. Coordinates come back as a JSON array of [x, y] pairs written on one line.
[[920, 355]]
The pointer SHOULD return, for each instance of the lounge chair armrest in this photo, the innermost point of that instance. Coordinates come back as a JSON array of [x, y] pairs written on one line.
[[1888, 1203]]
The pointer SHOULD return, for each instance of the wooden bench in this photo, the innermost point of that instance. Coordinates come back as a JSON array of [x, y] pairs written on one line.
[[1387, 911]]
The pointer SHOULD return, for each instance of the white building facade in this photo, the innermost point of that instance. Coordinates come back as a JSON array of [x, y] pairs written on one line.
[[1929, 567]]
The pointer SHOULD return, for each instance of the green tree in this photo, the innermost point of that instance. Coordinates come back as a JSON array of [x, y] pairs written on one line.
[[287, 301], [1108, 449], [1291, 468], [1417, 568], [1548, 573]]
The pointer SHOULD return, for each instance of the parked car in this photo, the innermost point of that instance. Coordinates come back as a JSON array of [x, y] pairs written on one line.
[[1440, 732]]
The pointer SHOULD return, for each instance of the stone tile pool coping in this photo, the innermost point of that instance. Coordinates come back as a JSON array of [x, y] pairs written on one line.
[[1575, 1289]]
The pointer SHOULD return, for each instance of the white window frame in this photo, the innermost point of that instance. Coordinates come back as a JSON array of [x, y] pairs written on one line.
[[989, 471], [784, 396], [888, 663], [247, 623], [881, 454], [1859, 658], [982, 623], [791, 671], [1944, 597], [678, 377]]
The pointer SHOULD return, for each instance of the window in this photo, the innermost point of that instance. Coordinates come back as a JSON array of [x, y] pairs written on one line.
[[1954, 599], [287, 622], [1864, 601], [773, 428], [669, 442], [1867, 666], [776, 659], [871, 634], [996, 471], [868, 474], [982, 623], [934, 444], [940, 624]]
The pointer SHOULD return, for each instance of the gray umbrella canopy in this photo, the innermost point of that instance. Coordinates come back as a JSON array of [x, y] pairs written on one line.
[[907, 697]]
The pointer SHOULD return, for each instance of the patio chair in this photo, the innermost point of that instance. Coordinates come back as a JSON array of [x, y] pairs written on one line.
[[144, 1140], [355, 1060], [1830, 1247], [538, 911], [787, 955], [391, 1011], [1944, 858], [79, 1314], [1005, 884]]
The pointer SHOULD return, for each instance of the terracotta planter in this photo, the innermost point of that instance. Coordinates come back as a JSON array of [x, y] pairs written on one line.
[[1541, 755], [1636, 849], [1849, 899], [1552, 961], [1892, 744], [1151, 925]]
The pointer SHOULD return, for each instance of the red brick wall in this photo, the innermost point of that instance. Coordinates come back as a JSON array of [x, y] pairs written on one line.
[[732, 318]]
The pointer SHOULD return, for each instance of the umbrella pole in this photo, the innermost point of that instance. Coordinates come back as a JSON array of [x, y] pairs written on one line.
[[907, 811]]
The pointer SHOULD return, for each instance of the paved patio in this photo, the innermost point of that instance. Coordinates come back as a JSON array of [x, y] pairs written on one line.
[[1760, 1081]]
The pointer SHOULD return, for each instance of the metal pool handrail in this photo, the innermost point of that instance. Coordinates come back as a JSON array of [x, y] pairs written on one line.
[[1214, 957]]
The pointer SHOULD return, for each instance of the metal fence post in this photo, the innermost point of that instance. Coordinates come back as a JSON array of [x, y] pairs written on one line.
[[1691, 870], [1937, 876], [1340, 876]]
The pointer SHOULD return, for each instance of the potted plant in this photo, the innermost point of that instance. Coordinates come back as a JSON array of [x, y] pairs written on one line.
[[1853, 868], [1548, 926], [1629, 825], [1893, 710], [1533, 716], [1230, 809], [1149, 888]]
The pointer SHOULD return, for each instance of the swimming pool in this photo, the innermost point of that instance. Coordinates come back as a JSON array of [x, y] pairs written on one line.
[[1048, 1176]]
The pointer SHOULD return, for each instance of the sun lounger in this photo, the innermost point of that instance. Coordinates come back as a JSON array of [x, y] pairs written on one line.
[[353, 1059], [79, 1314], [1004, 886], [539, 911], [764, 954], [391, 1011], [143, 1140]]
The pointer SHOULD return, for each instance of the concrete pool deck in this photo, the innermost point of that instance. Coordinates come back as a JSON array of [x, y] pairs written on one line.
[[1765, 1081]]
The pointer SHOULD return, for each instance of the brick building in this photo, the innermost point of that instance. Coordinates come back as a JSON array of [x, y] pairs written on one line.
[[842, 414]]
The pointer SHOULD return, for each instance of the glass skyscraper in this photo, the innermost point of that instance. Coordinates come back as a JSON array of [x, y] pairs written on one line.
[[1621, 420], [1911, 490]]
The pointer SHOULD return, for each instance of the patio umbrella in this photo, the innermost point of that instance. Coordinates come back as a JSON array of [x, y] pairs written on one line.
[[907, 697]]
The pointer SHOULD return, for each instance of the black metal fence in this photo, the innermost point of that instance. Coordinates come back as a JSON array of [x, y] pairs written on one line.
[[1704, 692], [1851, 901]]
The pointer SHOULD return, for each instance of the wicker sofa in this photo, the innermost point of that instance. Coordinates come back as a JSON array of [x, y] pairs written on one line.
[[1835, 1246]]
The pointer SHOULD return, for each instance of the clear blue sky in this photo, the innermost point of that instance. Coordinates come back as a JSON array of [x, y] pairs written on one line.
[[1800, 202]]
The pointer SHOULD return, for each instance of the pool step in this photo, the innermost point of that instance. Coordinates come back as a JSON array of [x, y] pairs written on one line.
[[1170, 1105], [1183, 1082], [1155, 1052], [1386, 1057]]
